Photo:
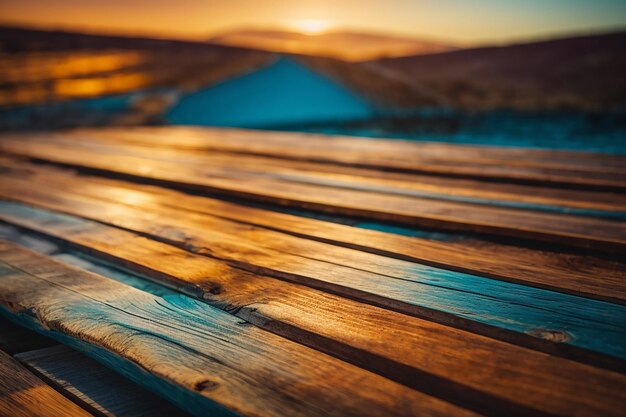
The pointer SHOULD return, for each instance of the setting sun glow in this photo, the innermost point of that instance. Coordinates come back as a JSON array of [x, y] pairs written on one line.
[[311, 26]]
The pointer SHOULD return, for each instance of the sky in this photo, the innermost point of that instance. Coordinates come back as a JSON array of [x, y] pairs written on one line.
[[464, 22]]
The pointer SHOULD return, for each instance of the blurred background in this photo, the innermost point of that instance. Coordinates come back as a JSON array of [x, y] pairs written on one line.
[[548, 74]]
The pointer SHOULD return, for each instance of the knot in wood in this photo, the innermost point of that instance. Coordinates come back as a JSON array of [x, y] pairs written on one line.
[[206, 385]]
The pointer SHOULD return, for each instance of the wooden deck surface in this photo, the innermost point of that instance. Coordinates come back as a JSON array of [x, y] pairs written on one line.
[[251, 273]]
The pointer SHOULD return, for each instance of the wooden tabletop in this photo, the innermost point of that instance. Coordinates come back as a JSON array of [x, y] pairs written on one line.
[[257, 273]]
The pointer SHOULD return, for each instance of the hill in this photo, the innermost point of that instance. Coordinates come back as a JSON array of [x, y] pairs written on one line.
[[350, 46], [19, 40], [38, 66], [582, 73], [585, 72]]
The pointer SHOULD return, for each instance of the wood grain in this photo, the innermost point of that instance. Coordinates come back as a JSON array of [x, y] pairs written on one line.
[[441, 360], [434, 187], [393, 283], [368, 337], [189, 347], [562, 168], [576, 274], [480, 304], [22, 394], [580, 231], [345, 321]]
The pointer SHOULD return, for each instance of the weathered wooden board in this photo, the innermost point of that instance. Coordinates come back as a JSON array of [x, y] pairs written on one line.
[[568, 168], [353, 273], [285, 309], [474, 196], [22, 394], [99, 388], [206, 138], [434, 187], [481, 304], [417, 353], [404, 325], [199, 357], [576, 274], [593, 233]]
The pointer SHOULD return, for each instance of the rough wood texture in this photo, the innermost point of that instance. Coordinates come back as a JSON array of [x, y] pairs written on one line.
[[580, 231], [434, 187], [576, 274], [418, 353], [22, 394], [288, 315], [566, 168], [94, 385], [187, 346], [475, 303], [393, 283]]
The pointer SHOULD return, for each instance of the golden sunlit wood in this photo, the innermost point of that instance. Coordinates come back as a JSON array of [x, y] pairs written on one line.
[[312, 208]]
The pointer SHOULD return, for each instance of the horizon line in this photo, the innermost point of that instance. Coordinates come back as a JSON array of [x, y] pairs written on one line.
[[178, 36]]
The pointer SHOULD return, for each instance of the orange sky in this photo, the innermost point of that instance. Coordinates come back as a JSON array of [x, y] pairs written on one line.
[[459, 21]]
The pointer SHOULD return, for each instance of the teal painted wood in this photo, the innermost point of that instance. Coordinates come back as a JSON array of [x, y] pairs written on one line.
[[180, 341], [421, 290], [187, 400], [89, 263], [80, 260]]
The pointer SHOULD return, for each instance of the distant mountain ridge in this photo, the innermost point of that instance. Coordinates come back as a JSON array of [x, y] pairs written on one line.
[[49, 66], [582, 72], [23, 39], [350, 46]]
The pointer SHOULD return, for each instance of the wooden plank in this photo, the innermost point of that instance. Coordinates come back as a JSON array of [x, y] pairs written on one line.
[[22, 394], [233, 139], [370, 338], [396, 183], [197, 356], [607, 274], [470, 302], [129, 251], [94, 385], [452, 189], [55, 251], [562, 168], [577, 274], [587, 203], [427, 356], [435, 188], [578, 231]]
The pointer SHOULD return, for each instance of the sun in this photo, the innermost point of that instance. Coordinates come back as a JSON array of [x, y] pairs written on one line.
[[311, 26]]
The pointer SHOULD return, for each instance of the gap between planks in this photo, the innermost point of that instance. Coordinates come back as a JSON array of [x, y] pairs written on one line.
[[23, 394]]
